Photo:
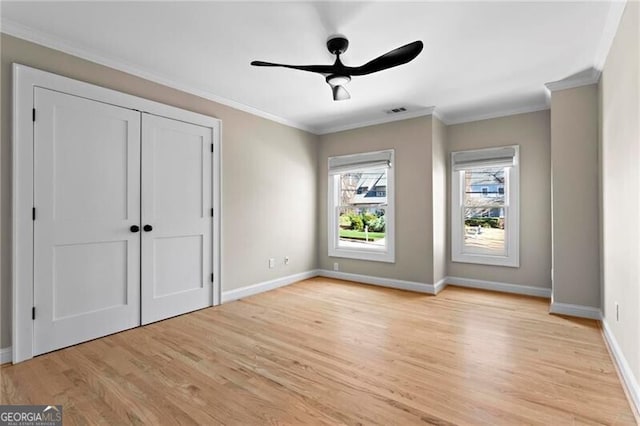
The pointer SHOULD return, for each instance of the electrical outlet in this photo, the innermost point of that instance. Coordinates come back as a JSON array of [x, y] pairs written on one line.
[[617, 312], [336, 266], [286, 260], [272, 263]]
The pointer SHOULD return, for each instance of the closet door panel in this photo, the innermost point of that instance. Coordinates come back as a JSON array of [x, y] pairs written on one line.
[[87, 196], [176, 204]]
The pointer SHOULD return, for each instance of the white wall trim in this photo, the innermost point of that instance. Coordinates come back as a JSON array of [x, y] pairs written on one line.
[[21, 31], [440, 285], [422, 112], [438, 114], [585, 78], [616, 10], [230, 295], [379, 281], [499, 286], [580, 311], [628, 380], [490, 113], [29, 34], [5, 355]]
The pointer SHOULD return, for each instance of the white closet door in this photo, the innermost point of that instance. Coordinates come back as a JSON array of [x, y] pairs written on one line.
[[176, 212], [87, 196]]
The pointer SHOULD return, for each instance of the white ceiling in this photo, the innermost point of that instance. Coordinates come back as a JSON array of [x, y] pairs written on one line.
[[480, 59]]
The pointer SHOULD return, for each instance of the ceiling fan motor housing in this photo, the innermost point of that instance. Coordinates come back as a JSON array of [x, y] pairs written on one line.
[[337, 44]]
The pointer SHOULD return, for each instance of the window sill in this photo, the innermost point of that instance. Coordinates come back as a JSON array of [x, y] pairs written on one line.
[[372, 255], [483, 259]]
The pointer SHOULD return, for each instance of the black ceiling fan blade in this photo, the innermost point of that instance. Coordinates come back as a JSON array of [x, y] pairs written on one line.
[[391, 59], [322, 69]]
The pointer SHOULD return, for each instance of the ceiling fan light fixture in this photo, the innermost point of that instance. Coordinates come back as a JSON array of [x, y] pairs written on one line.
[[340, 93], [338, 80], [338, 74]]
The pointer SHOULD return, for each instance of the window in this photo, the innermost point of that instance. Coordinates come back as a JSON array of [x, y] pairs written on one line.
[[485, 206], [361, 206]]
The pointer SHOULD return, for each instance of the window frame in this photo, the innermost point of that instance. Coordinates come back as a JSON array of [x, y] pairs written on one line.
[[511, 258], [333, 203]]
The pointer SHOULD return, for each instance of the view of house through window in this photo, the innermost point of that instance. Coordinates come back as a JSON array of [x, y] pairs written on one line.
[[361, 206], [362, 209], [484, 211], [485, 186]]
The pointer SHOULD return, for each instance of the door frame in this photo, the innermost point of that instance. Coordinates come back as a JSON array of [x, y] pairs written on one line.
[[25, 79]]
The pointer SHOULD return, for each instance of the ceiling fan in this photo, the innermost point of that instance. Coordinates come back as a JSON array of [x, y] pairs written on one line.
[[338, 74]]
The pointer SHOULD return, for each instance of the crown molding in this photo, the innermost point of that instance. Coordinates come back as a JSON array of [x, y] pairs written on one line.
[[41, 38], [547, 96], [438, 114], [382, 120], [585, 78], [616, 10], [38, 37], [592, 75], [613, 20], [447, 119], [488, 113]]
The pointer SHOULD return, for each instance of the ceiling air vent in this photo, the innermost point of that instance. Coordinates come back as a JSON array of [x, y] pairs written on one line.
[[396, 110]]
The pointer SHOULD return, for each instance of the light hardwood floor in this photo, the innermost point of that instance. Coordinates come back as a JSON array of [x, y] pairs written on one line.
[[330, 352]]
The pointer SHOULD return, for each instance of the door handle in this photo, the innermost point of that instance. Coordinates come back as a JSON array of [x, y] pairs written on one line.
[[134, 228], [147, 228]]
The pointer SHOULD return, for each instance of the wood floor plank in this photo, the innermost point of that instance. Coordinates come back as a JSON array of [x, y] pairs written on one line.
[[329, 352]]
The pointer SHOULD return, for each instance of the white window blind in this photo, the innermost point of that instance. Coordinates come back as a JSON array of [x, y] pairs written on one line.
[[495, 157], [359, 162]]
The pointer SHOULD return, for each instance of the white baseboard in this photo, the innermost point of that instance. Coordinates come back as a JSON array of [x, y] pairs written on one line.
[[575, 310], [498, 286], [628, 380], [228, 296], [440, 285], [5, 355], [384, 282]]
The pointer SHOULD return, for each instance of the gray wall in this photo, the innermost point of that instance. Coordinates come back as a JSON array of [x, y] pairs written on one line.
[[574, 196], [269, 176], [411, 140], [620, 154], [531, 132]]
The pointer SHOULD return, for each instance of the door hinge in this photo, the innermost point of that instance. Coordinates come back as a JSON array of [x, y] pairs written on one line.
[[33, 313], [211, 277], [33, 114], [33, 213], [212, 212], [211, 147]]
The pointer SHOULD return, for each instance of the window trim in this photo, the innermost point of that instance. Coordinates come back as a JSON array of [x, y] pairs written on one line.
[[511, 208], [333, 193]]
